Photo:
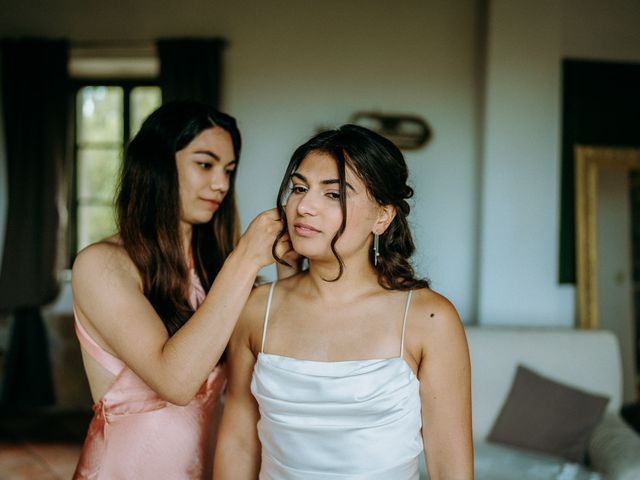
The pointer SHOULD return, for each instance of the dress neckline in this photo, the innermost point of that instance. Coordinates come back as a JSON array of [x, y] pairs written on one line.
[[338, 363]]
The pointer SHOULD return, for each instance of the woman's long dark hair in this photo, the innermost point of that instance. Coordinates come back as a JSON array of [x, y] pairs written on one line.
[[379, 164], [148, 209]]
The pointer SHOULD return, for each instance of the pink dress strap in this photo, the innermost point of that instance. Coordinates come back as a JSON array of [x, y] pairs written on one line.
[[105, 359], [197, 294], [113, 364]]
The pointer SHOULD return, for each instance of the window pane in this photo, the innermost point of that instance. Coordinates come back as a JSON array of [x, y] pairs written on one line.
[[98, 171], [94, 223], [144, 100], [99, 114]]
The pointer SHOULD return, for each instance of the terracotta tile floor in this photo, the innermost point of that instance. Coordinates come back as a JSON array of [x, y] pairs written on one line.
[[38, 461], [41, 445]]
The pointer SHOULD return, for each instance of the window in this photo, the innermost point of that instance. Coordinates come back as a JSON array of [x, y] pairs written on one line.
[[107, 116]]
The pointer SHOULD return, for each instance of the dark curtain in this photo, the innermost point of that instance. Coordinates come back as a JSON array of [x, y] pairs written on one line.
[[191, 68], [34, 92], [601, 104]]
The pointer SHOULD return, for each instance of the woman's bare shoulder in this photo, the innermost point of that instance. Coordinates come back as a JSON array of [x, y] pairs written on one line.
[[429, 301], [433, 316], [251, 322], [103, 264], [258, 299], [249, 326], [100, 254], [435, 334]]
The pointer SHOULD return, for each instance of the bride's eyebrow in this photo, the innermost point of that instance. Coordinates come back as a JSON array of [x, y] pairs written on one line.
[[330, 181]]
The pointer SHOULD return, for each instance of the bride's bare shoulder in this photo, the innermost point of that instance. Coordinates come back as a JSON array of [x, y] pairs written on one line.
[[435, 318]]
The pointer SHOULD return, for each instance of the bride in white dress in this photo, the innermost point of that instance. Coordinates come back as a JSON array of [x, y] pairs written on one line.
[[353, 368]]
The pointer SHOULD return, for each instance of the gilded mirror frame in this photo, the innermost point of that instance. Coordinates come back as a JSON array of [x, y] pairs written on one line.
[[589, 160]]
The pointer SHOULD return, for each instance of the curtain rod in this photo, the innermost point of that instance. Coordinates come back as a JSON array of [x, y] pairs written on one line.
[[111, 49], [131, 43], [114, 43]]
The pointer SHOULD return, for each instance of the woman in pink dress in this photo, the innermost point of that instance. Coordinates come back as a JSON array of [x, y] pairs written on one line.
[[156, 303]]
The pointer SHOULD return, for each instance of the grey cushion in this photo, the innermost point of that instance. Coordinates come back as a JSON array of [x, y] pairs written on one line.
[[547, 416]]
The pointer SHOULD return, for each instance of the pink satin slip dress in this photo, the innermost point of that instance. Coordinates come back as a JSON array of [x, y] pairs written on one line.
[[135, 434]]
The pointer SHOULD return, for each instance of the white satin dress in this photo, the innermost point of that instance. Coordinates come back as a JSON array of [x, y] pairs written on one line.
[[356, 419]]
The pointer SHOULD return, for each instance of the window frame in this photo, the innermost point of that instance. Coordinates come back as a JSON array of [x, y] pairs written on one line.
[[127, 86]]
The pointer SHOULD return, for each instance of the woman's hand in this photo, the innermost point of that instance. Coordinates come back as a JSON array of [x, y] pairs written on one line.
[[284, 250], [257, 241]]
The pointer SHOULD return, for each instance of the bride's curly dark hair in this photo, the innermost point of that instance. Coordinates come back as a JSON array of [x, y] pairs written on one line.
[[379, 164]]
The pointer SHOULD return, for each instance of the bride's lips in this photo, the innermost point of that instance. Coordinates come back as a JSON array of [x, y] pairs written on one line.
[[305, 230]]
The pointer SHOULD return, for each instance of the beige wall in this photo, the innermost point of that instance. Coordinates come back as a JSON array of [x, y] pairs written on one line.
[[295, 66], [521, 163], [520, 178], [599, 29], [287, 78]]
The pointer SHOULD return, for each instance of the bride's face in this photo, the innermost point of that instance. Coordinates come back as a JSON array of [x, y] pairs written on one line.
[[314, 214]]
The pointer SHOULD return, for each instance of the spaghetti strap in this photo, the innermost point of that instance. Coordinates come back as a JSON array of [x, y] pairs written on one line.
[[404, 322], [266, 316]]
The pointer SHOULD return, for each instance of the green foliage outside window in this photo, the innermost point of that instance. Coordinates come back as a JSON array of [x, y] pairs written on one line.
[[103, 115]]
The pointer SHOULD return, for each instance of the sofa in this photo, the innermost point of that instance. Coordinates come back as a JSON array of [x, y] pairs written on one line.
[[588, 360]]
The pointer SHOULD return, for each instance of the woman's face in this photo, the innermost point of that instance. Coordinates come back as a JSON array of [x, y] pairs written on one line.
[[204, 169], [314, 215]]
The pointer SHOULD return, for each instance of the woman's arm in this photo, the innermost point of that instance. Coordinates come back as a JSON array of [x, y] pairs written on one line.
[[110, 304], [445, 391], [237, 455]]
